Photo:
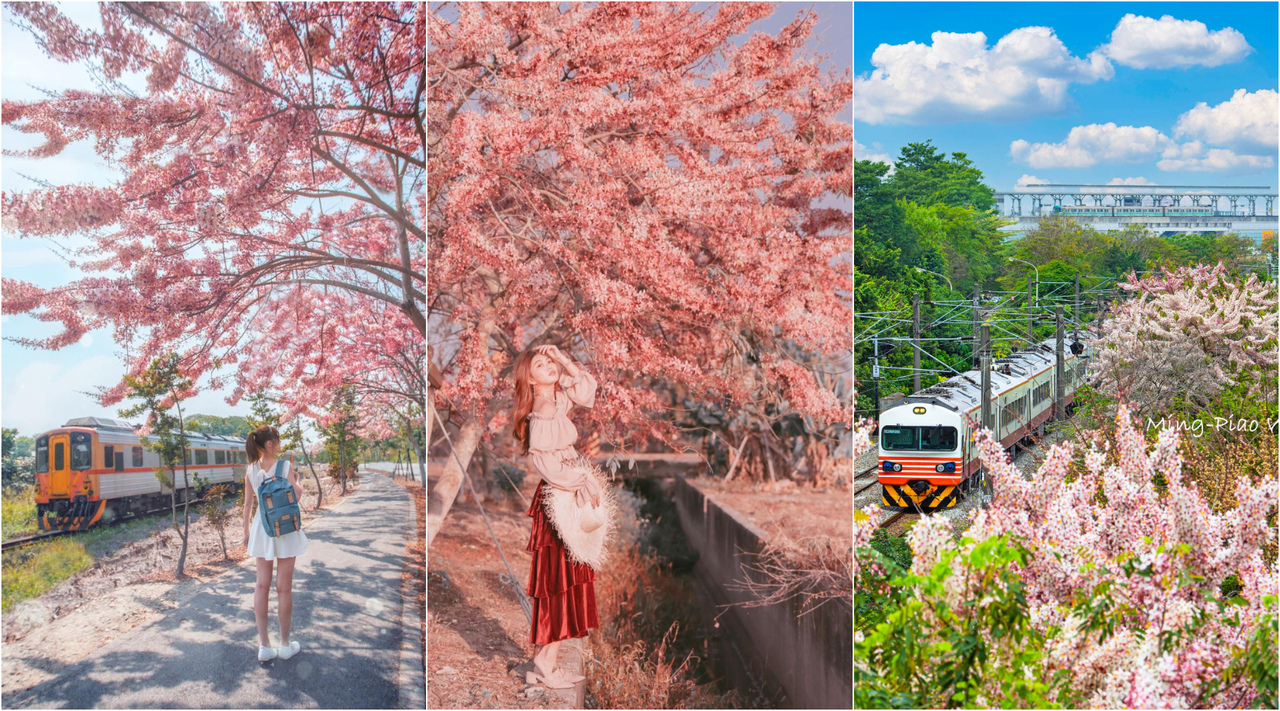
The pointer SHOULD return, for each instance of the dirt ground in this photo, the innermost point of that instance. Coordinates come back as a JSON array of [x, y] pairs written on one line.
[[132, 586], [794, 511], [478, 633]]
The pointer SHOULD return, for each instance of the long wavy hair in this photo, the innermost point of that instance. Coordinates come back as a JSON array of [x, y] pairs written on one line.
[[523, 399]]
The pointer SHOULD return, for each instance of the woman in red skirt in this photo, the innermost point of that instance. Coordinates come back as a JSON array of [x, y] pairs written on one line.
[[563, 591]]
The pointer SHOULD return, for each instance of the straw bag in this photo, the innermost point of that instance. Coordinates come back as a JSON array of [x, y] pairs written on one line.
[[584, 529]]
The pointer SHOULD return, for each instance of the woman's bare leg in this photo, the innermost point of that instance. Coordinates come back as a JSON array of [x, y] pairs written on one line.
[[284, 597], [260, 593], [545, 659]]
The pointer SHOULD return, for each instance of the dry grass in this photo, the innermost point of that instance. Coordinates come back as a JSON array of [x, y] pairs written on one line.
[[647, 613], [817, 569]]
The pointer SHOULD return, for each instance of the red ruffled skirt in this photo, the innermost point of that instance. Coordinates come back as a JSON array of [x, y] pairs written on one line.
[[563, 592]]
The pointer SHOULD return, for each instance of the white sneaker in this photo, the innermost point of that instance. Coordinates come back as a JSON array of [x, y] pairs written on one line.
[[266, 653], [292, 649]]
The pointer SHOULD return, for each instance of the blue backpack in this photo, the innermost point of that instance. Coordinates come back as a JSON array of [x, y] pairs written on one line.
[[279, 507]]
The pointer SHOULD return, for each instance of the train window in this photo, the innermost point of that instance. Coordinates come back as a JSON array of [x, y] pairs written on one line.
[[202, 456], [187, 458], [109, 456], [938, 438], [137, 456], [219, 456], [59, 457], [895, 438], [243, 457], [907, 438], [42, 455], [81, 455]]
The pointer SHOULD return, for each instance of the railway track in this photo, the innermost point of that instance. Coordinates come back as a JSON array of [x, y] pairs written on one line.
[[29, 540], [894, 518]]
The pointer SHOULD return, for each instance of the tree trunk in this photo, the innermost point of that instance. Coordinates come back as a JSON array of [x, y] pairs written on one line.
[[446, 489], [422, 455], [314, 475], [441, 498]]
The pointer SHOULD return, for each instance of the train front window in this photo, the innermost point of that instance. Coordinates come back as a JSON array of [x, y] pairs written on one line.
[[42, 455], [905, 438], [900, 438], [59, 457], [938, 439], [81, 454]]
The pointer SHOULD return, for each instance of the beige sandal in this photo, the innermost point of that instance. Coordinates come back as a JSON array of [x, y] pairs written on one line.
[[554, 680]]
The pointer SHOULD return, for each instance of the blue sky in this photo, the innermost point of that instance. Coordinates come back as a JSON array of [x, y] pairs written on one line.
[[1148, 75]]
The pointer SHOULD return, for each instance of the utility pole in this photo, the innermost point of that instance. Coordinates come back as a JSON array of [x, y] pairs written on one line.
[[875, 374], [977, 294], [986, 376], [1099, 319], [1061, 389], [915, 342], [1031, 316], [1077, 307]]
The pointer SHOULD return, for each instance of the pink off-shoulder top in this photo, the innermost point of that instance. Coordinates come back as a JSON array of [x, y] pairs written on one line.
[[551, 437]]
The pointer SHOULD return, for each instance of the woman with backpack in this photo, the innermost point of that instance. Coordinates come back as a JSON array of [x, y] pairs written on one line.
[[262, 447]]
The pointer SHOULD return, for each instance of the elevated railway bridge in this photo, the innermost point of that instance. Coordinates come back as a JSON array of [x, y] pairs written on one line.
[[1163, 209]]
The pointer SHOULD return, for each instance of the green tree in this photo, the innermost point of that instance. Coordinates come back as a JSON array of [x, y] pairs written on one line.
[[18, 461], [161, 387], [341, 443]]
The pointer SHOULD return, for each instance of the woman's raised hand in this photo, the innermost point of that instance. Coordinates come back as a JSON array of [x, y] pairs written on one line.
[[553, 352]]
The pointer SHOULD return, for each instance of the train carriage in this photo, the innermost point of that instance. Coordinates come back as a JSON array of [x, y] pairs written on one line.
[[96, 469], [927, 457]]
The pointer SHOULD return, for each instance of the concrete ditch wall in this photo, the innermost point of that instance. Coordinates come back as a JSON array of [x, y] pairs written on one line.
[[806, 659]]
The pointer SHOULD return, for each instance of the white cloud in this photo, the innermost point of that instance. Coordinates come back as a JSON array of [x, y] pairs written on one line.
[[1243, 122], [1028, 179], [861, 152], [1194, 156], [1144, 43], [1095, 143], [1109, 143], [1130, 181], [86, 340], [43, 395], [958, 78]]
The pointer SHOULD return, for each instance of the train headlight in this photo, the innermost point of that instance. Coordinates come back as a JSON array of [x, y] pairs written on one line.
[[888, 466], [940, 468], [951, 466], [897, 467]]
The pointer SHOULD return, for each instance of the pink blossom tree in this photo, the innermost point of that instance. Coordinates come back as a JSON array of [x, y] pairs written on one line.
[[1119, 583], [600, 181], [1188, 333], [270, 206]]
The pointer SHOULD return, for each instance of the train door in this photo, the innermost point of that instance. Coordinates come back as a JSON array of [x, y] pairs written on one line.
[[59, 466]]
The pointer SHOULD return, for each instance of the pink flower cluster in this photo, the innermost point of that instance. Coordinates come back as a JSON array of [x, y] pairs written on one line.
[[1186, 334], [1079, 541], [1085, 531]]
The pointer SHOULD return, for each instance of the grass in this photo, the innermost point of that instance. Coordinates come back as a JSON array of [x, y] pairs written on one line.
[[18, 511], [32, 570]]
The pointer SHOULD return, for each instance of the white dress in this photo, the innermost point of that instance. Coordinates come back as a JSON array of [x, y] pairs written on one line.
[[260, 544]]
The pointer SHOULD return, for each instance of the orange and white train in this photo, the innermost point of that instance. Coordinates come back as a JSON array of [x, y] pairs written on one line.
[[96, 469], [927, 457]]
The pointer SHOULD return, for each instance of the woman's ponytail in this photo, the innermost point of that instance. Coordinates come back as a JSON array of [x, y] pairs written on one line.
[[256, 443]]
